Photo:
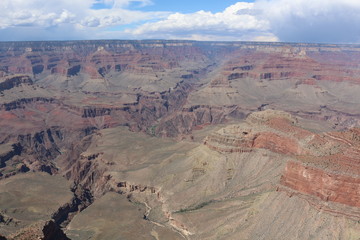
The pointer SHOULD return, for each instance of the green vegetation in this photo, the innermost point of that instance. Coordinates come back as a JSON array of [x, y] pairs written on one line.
[[151, 130], [196, 207]]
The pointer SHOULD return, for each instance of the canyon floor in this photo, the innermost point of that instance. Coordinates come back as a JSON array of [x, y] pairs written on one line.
[[179, 140]]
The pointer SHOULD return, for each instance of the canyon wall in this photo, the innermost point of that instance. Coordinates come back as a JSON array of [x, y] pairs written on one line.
[[141, 119]]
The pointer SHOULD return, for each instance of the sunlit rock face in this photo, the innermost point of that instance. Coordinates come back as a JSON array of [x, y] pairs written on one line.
[[195, 140]]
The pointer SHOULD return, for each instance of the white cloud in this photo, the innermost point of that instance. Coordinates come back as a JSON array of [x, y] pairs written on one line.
[[237, 22], [123, 3], [40, 13], [263, 20], [49, 18], [313, 21], [103, 18]]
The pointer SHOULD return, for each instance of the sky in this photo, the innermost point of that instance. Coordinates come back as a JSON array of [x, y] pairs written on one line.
[[319, 21]]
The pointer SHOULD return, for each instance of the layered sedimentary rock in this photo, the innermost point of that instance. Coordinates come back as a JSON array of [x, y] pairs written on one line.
[[172, 87], [325, 185], [141, 120], [266, 166], [324, 167], [269, 130]]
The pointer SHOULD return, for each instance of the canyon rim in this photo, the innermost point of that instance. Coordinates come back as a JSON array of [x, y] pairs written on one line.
[[173, 139]]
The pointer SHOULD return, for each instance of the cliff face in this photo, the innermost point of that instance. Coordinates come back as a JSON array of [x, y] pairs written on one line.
[[66, 108], [170, 88], [324, 167], [324, 185], [268, 165], [97, 59], [270, 130]]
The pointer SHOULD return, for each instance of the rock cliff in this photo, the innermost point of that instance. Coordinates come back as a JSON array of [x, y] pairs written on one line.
[[324, 166], [184, 135]]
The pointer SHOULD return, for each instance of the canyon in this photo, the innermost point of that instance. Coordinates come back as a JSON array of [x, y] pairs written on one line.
[[170, 139]]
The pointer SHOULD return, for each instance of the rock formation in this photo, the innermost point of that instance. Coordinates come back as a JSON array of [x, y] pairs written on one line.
[[324, 166], [196, 140]]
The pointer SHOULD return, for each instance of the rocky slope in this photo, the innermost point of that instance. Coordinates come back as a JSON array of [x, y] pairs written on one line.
[[225, 186], [175, 132], [324, 166]]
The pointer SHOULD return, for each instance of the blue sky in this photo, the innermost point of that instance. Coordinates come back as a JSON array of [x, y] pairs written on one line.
[[184, 6], [330, 21], [190, 6]]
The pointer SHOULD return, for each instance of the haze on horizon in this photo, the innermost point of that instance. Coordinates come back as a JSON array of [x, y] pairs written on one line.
[[321, 21]]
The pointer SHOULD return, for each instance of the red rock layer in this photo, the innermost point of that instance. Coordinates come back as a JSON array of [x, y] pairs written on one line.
[[325, 166], [95, 59], [286, 63], [277, 143], [324, 185], [266, 130]]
